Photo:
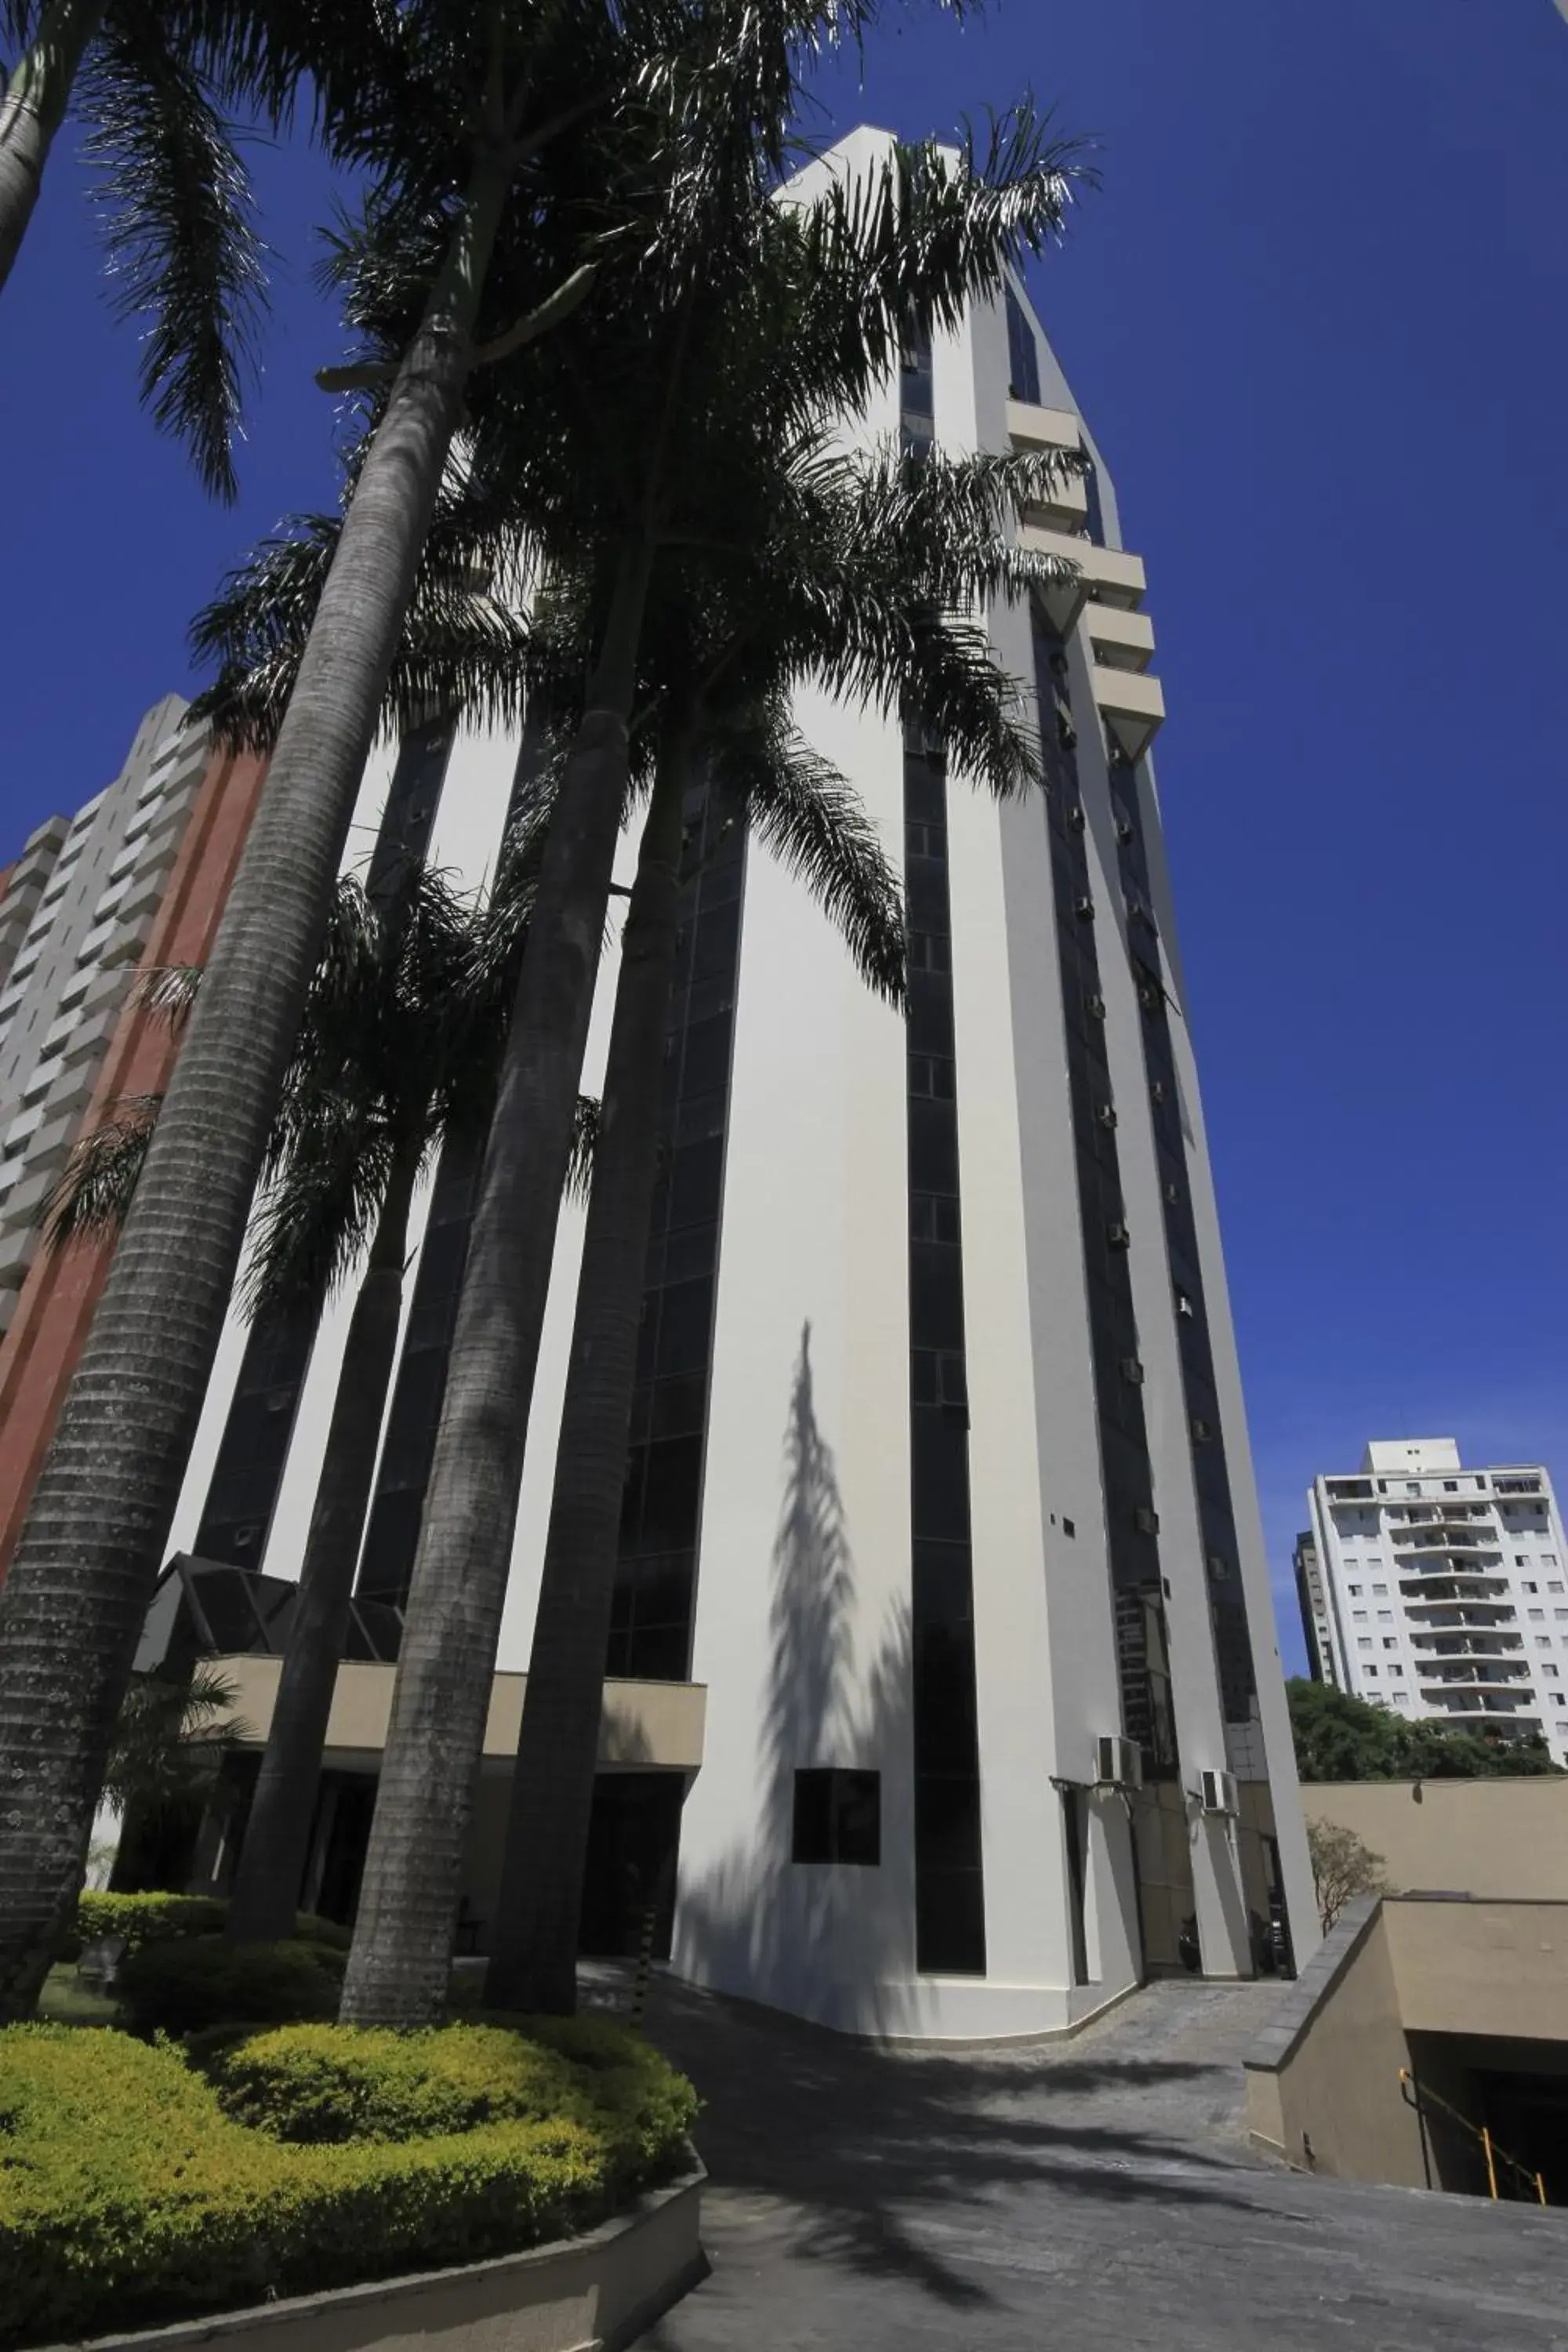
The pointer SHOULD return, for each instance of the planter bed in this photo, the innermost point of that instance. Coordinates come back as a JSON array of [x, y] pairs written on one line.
[[592, 2293], [322, 2179]]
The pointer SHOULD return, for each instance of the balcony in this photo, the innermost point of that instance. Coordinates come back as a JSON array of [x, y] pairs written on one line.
[[1120, 640], [1132, 706], [1451, 1584], [1104, 573]]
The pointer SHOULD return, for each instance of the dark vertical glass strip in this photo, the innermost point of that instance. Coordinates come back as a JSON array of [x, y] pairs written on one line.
[[1131, 1525], [950, 1894], [1211, 1478], [655, 1575], [950, 1887], [254, 1448]]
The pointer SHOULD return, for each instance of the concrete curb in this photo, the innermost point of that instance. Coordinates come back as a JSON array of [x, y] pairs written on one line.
[[592, 2293], [1268, 2052]]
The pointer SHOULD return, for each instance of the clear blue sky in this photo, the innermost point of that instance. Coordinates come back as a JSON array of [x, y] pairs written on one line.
[[1319, 317]]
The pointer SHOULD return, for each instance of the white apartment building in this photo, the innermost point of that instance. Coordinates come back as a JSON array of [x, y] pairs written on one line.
[[75, 912], [1441, 1593], [943, 1675]]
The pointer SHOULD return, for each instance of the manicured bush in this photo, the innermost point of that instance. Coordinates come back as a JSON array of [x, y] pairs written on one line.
[[331, 2084], [328, 2083], [156, 1918], [190, 1983], [128, 2197]]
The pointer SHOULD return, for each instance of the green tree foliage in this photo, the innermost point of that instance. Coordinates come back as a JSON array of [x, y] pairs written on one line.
[[1339, 1738]]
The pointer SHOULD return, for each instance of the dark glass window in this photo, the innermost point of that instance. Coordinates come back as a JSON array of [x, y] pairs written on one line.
[[1074, 1805], [1023, 353], [949, 1910], [837, 1817]]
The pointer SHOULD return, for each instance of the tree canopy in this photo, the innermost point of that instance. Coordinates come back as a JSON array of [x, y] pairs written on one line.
[[1339, 1738]]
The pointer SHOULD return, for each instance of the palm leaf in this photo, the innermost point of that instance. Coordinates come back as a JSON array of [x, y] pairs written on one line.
[[178, 216], [91, 1196]]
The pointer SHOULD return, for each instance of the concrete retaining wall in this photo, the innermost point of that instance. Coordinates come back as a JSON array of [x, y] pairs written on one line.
[[592, 2293]]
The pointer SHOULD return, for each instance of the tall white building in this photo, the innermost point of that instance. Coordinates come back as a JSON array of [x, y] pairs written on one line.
[[939, 1498], [1442, 1592], [75, 911]]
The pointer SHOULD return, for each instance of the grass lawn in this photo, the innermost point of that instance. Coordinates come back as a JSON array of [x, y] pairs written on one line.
[[67, 2000]]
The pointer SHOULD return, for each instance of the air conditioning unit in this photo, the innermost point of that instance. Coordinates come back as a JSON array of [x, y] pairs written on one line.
[[1095, 1007], [1132, 1372], [1218, 1792], [1219, 1567], [1106, 1114], [1117, 1235], [1146, 1521], [1084, 910], [1118, 1763]]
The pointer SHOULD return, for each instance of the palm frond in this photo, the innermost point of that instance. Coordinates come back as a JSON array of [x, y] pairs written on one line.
[[168, 990], [809, 814], [584, 1144], [91, 1196], [171, 1738], [178, 214]]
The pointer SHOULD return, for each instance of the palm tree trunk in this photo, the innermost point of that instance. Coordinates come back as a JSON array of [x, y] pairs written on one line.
[[278, 1835], [88, 1555], [533, 1962], [32, 111], [399, 1968]]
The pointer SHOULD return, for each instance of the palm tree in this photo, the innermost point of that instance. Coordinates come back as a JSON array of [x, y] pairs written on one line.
[[396, 1053], [878, 550], [171, 1738], [152, 84], [780, 318], [458, 119], [385, 1069]]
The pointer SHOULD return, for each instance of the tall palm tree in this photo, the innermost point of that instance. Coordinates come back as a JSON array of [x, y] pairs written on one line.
[[882, 549], [396, 1054], [473, 130], [783, 316]]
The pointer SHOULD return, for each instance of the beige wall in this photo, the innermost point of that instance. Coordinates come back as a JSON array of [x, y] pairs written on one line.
[[1339, 2088], [656, 1726], [1503, 1837], [1483, 1970]]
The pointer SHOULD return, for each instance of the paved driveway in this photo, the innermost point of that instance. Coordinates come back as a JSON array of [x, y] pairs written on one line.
[[1094, 2196]]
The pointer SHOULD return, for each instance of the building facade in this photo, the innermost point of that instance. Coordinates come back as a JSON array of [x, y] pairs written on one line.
[[185, 841], [1317, 1616], [1442, 1592], [77, 911], [939, 1487]]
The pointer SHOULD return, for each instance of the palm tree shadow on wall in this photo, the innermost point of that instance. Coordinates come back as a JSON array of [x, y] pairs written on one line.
[[825, 1940]]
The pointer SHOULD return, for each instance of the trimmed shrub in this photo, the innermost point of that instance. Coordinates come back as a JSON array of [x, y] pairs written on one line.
[[190, 1983], [330, 2083], [128, 2197], [156, 1918]]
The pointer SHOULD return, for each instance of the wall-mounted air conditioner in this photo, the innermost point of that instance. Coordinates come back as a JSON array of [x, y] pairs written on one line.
[[1217, 1792], [1118, 1763]]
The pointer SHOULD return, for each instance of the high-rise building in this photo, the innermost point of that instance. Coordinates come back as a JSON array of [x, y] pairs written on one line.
[[76, 912], [939, 1507], [1442, 1592], [140, 877], [1312, 1599]]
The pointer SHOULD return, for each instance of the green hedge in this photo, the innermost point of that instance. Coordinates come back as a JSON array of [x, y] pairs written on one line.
[[190, 1983], [128, 2197], [157, 1918], [316, 2084]]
